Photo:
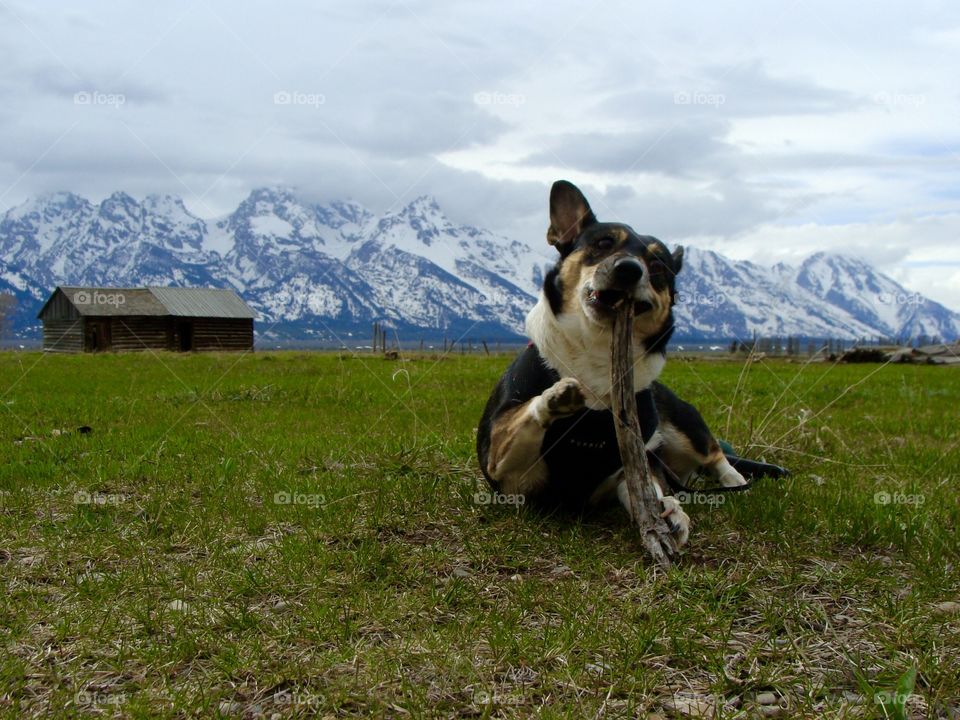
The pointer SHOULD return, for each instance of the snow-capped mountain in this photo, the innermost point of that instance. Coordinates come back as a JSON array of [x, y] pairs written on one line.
[[874, 299], [323, 270], [435, 273], [724, 298]]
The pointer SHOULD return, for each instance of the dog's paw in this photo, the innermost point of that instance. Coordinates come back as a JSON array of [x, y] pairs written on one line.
[[564, 397], [677, 520]]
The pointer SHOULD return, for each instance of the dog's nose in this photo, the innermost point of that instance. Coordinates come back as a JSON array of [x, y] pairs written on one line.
[[627, 271]]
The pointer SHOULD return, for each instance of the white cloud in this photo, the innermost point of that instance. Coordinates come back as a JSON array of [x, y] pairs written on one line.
[[763, 131], [921, 253]]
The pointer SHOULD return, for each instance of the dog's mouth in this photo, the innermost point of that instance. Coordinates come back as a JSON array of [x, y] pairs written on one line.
[[609, 301]]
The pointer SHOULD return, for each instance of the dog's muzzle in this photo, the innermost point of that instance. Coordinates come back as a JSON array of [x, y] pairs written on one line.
[[615, 280]]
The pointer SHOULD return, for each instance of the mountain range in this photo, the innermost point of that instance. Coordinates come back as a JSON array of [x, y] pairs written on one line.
[[326, 272]]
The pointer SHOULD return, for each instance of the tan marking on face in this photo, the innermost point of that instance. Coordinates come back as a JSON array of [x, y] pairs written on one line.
[[652, 321], [621, 234], [572, 273], [655, 247]]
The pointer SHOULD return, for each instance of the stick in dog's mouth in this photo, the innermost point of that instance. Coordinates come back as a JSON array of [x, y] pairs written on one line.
[[641, 486], [612, 301]]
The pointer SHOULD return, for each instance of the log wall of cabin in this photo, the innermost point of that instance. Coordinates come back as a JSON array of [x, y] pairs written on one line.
[[222, 334], [63, 335], [143, 332]]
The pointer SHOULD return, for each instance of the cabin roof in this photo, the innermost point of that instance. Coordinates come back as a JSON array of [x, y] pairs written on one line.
[[164, 301]]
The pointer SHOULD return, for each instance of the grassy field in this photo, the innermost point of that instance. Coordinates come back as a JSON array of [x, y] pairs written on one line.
[[293, 534]]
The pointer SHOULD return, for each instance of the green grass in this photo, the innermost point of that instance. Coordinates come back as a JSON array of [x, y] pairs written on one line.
[[148, 568]]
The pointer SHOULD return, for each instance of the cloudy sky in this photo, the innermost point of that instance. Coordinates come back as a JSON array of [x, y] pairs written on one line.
[[762, 130]]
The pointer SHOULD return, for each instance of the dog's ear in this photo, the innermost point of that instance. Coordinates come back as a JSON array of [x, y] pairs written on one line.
[[570, 213], [677, 256]]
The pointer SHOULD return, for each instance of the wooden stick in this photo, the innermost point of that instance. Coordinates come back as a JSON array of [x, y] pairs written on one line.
[[645, 506]]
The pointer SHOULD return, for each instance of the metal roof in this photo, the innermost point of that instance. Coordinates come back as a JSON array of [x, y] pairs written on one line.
[[164, 301], [202, 302]]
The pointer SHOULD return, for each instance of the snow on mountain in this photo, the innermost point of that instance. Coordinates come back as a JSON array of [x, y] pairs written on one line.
[[322, 270], [719, 297], [276, 222], [39, 227], [874, 299], [284, 256], [435, 272]]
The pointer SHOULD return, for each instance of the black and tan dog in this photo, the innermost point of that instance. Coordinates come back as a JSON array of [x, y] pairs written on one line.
[[547, 432]]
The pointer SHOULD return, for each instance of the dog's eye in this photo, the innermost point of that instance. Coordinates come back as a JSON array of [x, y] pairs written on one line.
[[657, 267], [605, 243]]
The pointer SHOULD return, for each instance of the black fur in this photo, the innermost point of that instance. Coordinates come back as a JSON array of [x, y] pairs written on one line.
[[580, 451], [753, 469], [553, 290], [684, 416]]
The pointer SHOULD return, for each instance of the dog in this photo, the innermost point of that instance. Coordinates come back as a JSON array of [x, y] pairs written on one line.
[[547, 432]]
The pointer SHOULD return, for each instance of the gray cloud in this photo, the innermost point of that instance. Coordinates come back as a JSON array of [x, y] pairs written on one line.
[[736, 91], [400, 124], [718, 124], [57, 81], [680, 148]]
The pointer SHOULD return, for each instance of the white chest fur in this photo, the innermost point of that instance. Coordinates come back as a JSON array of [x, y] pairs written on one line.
[[576, 347]]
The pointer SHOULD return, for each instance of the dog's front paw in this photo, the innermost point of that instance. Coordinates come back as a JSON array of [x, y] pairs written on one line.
[[564, 398], [677, 520]]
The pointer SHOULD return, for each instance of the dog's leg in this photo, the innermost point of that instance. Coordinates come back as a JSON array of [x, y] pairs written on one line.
[[682, 452], [516, 437], [754, 469], [719, 468]]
